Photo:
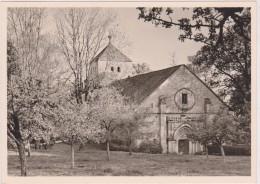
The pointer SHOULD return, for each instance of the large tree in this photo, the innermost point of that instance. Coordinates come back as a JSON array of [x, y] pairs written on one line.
[[81, 33], [134, 126], [217, 130], [32, 84], [212, 19], [75, 125], [230, 66], [110, 110]]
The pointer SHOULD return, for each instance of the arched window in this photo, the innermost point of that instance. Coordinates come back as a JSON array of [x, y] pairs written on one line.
[[112, 68], [118, 69]]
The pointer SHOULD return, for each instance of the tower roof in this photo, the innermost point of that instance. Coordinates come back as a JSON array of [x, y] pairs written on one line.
[[111, 53]]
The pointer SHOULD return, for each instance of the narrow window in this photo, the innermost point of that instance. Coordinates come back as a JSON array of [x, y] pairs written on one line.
[[118, 69], [184, 98], [112, 68], [151, 105]]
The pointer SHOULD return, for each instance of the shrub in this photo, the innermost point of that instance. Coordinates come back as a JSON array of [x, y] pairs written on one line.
[[145, 147], [117, 147], [238, 150], [200, 153], [118, 141], [150, 147], [108, 170], [230, 150]]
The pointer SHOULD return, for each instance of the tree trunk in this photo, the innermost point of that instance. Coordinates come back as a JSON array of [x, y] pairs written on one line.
[[223, 153], [28, 149], [29, 152], [130, 148], [22, 156], [207, 151], [108, 151], [72, 152]]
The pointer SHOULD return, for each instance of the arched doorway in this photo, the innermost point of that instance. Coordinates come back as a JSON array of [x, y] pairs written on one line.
[[181, 143], [183, 146]]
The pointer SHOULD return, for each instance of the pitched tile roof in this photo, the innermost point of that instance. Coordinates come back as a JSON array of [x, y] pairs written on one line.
[[139, 87], [111, 53]]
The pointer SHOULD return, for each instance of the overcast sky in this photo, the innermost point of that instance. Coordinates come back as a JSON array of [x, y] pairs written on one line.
[[155, 45], [149, 44]]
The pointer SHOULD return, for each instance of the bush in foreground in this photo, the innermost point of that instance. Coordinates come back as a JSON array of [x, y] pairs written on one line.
[[145, 147], [231, 150], [150, 147]]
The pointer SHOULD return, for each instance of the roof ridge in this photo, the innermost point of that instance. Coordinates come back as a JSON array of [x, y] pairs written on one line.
[[153, 71], [144, 84]]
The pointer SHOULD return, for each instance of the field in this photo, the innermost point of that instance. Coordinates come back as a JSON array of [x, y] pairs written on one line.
[[92, 162]]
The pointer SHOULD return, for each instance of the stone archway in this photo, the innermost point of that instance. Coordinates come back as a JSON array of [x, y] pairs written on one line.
[[178, 141], [183, 143], [182, 131]]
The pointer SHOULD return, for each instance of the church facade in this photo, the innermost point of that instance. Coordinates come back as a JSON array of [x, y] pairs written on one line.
[[176, 99]]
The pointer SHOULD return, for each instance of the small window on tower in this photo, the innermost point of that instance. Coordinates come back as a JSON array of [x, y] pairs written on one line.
[[118, 69], [184, 98], [112, 68]]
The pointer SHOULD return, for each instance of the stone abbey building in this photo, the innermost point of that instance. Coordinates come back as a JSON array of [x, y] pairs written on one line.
[[176, 97]]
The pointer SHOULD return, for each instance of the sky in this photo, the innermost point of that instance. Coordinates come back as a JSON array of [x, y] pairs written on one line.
[[152, 45], [155, 45]]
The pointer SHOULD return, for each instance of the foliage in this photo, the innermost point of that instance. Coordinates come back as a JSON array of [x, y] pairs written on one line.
[[220, 129], [230, 66], [109, 108], [201, 132], [134, 126], [75, 120], [200, 153], [244, 126], [118, 119], [227, 68], [33, 82], [212, 19], [74, 123], [116, 147], [231, 150], [150, 147], [141, 68], [224, 128]]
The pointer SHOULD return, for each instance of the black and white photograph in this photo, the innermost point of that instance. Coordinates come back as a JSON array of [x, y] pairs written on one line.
[[145, 90]]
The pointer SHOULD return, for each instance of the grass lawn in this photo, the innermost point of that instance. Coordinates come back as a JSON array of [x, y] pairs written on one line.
[[92, 162]]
